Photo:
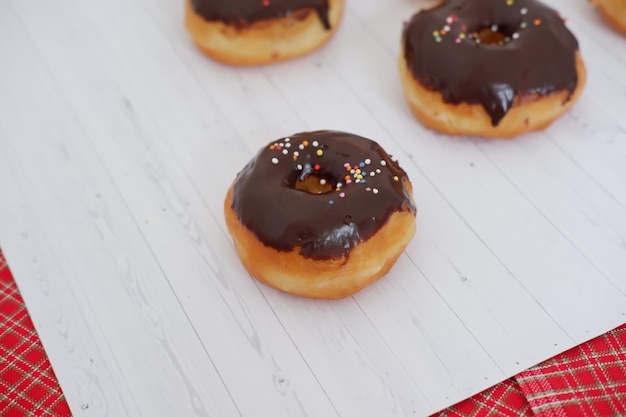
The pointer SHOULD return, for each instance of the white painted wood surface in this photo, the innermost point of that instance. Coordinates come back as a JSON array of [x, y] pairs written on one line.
[[118, 141]]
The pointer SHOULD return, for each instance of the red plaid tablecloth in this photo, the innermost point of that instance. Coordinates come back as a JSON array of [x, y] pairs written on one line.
[[588, 380], [28, 386]]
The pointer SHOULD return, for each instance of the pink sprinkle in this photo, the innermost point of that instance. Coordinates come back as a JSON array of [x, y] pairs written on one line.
[[457, 40], [342, 195], [368, 189]]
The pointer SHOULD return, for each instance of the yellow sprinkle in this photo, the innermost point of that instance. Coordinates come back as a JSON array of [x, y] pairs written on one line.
[[509, 2], [462, 36], [395, 178], [319, 152], [436, 33]]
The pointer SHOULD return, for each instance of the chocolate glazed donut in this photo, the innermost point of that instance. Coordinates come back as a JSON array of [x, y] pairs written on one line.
[[498, 54], [320, 214], [251, 32], [244, 12]]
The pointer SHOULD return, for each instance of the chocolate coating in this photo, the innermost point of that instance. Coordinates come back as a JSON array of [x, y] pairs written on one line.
[[322, 226], [538, 57], [243, 12]]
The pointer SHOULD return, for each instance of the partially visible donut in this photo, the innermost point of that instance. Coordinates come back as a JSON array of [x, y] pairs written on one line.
[[250, 32], [614, 11], [493, 68], [320, 214]]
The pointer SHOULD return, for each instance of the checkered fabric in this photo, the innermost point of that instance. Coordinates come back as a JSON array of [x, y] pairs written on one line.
[[588, 380], [28, 386], [503, 400]]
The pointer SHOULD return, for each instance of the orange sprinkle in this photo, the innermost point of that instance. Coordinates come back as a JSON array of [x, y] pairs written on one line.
[[272, 147], [537, 22], [305, 143]]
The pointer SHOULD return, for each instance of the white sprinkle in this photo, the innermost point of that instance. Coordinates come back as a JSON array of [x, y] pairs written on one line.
[[446, 28], [383, 162], [322, 181], [524, 10], [375, 190], [296, 153], [315, 143], [299, 167], [352, 171], [287, 145], [494, 28], [357, 181], [285, 151], [274, 161], [287, 139], [515, 35], [372, 174], [339, 185], [368, 161], [378, 170], [301, 146]]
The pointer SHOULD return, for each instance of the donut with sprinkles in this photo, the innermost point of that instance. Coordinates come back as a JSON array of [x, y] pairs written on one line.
[[320, 214], [251, 32], [492, 68]]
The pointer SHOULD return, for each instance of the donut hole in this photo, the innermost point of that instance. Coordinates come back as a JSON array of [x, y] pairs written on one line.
[[315, 184], [494, 35]]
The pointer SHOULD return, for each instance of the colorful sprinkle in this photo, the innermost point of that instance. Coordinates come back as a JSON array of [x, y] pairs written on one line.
[[319, 152], [316, 167], [331, 202], [342, 195]]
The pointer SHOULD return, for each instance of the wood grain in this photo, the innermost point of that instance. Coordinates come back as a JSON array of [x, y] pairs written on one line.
[[118, 141]]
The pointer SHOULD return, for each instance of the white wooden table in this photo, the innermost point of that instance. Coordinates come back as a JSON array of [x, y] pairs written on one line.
[[118, 141]]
